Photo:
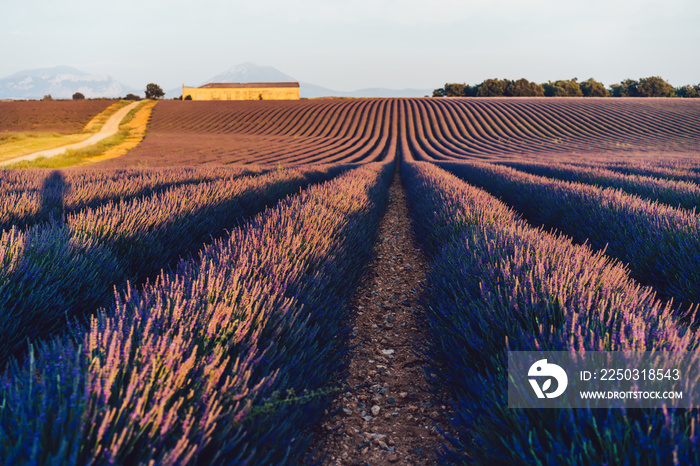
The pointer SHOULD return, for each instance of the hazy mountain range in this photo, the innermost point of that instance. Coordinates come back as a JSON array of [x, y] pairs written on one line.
[[62, 82]]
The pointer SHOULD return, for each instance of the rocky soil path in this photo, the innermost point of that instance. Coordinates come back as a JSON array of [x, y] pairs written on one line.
[[385, 413], [110, 128]]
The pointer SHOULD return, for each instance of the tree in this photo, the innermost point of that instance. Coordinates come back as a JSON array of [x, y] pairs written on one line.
[[492, 88], [626, 88], [454, 89], [593, 88], [654, 86], [563, 88], [523, 88], [153, 91], [132, 97], [78, 96], [688, 91], [470, 91]]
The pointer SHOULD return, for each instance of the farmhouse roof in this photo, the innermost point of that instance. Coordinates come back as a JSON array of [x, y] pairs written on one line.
[[246, 85]]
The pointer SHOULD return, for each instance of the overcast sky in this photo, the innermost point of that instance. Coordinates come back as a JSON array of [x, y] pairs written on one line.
[[352, 44]]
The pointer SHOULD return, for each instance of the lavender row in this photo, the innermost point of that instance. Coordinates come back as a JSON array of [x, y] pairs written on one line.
[[675, 193], [56, 271], [661, 244], [154, 231], [681, 172], [495, 284], [31, 180], [226, 361], [33, 196]]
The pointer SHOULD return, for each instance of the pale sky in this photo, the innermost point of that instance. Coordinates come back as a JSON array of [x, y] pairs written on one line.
[[352, 44]]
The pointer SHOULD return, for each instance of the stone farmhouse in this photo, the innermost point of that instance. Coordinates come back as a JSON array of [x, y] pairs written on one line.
[[242, 91]]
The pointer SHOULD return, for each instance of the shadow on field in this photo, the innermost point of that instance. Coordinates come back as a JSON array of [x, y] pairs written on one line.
[[53, 192], [38, 288], [65, 272]]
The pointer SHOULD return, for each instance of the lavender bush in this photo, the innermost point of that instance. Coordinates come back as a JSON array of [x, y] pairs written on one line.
[[228, 360], [661, 244], [58, 271], [675, 193], [34, 196], [495, 284]]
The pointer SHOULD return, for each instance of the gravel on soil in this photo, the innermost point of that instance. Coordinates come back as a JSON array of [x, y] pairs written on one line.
[[385, 413]]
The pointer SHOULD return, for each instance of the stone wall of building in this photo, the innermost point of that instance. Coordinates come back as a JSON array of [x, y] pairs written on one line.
[[247, 93]]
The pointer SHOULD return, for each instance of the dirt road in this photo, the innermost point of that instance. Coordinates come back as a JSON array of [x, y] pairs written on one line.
[[110, 128]]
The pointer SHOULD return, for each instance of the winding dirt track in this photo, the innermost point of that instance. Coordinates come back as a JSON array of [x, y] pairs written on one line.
[[365, 130], [110, 128]]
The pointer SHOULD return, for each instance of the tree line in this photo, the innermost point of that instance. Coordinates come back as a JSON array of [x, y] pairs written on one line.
[[653, 86]]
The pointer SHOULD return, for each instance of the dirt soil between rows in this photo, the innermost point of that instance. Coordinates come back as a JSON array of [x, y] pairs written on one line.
[[385, 413]]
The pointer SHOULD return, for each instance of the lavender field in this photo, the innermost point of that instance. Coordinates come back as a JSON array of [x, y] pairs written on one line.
[[202, 313]]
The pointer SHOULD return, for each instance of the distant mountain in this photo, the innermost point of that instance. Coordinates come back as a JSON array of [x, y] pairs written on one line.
[[383, 92], [60, 82], [251, 73], [311, 91]]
